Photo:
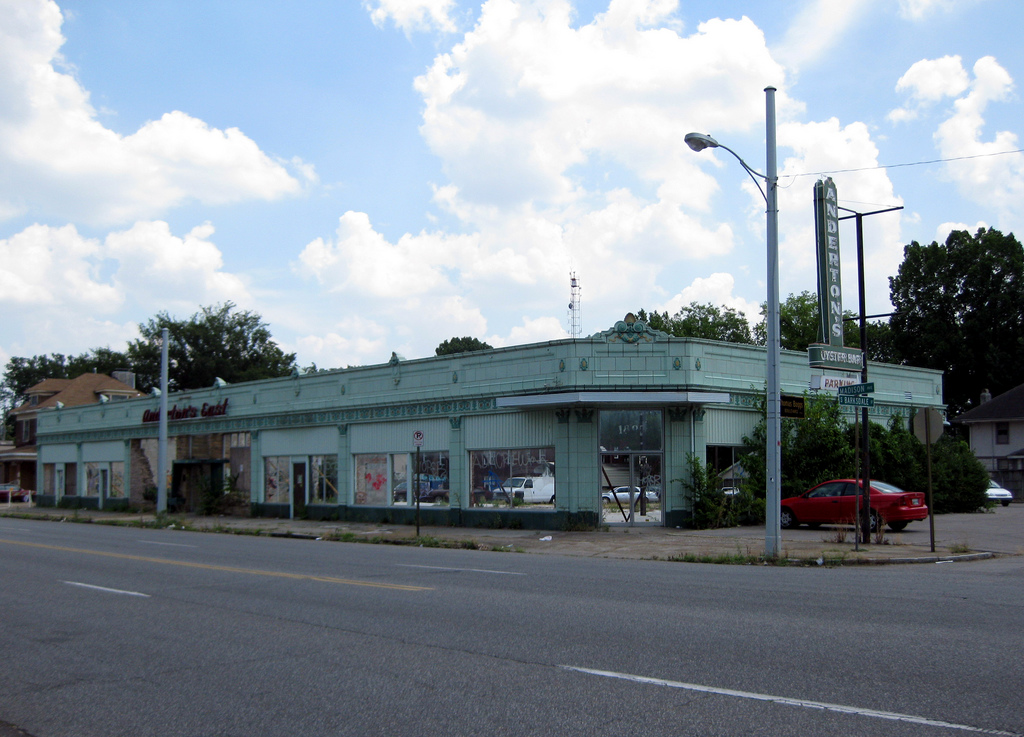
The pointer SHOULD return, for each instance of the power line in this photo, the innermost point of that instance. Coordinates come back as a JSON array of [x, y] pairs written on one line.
[[895, 166]]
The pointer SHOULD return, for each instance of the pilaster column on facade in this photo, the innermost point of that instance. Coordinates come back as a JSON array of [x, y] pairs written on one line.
[[79, 472], [458, 471], [345, 472], [565, 487], [583, 461], [257, 473], [684, 435]]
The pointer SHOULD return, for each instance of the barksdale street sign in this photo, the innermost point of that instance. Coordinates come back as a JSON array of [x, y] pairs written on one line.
[[856, 401]]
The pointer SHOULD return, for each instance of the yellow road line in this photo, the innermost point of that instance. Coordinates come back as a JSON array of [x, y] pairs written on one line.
[[228, 569]]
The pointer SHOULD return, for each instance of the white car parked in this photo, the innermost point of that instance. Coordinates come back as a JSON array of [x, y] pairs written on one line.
[[997, 493], [622, 494]]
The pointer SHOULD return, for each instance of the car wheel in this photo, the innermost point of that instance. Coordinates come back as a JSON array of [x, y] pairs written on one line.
[[897, 526], [552, 499], [1006, 502], [874, 521], [787, 520]]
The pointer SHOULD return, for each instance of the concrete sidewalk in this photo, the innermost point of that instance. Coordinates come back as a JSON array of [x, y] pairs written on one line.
[[958, 537]]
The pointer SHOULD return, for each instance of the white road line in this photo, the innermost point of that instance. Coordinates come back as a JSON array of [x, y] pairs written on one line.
[[468, 570], [104, 588], [891, 716], [170, 545]]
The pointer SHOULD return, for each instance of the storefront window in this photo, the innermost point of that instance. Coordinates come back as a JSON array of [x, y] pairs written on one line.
[[232, 440], [116, 479], [96, 477], [400, 480], [323, 478], [433, 478], [49, 478], [519, 477], [276, 484], [630, 430], [388, 478], [372, 480]]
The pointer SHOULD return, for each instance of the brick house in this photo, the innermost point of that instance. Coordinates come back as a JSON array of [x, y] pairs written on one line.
[[18, 462]]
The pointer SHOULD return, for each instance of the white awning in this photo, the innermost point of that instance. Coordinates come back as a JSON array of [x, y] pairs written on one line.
[[611, 399]]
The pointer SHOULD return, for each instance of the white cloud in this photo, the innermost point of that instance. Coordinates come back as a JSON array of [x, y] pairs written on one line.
[[413, 15], [918, 9], [991, 178], [52, 289], [526, 104], [362, 262], [942, 232], [929, 81], [535, 330], [67, 290], [43, 266], [830, 146], [57, 158], [816, 28], [716, 289], [159, 268]]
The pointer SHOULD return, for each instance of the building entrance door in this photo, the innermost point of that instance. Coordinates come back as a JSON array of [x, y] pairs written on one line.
[[631, 489], [299, 488], [632, 463]]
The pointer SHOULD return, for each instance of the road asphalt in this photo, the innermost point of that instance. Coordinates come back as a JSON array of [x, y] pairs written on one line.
[[958, 537]]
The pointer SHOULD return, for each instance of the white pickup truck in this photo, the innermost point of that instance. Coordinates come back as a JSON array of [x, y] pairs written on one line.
[[531, 489]]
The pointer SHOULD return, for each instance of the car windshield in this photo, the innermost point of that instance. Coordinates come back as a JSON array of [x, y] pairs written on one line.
[[886, 488]]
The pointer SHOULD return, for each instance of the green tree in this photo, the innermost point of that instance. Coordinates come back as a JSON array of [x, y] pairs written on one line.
[[702, 321], [22, 373], [959, 307], [460, 345], [897, 456], [216, 342], [814, 449], [959, 479], [798, 328]]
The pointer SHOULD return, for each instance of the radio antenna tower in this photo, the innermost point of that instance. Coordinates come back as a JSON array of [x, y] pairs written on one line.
[[575, 318]]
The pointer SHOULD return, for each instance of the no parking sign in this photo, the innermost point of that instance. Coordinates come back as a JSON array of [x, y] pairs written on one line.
[[417, 439]]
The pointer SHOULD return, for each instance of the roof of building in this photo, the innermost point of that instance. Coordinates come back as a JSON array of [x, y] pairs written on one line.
[[1007, 406], [85, 389]]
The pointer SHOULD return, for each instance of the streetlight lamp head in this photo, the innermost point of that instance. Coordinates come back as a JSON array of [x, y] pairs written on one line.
[[700, 141]]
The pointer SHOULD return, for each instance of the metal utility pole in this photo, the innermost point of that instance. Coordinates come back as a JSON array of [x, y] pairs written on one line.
[[865, 488]]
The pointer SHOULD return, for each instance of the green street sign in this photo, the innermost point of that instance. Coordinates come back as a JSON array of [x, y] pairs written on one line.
[[867, 388], [834, 357], [856, 401]]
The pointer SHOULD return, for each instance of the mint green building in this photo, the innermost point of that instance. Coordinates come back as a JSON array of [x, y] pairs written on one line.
[[546, 436]]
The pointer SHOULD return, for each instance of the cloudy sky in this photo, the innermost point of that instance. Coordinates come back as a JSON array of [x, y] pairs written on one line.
[[382, 175]]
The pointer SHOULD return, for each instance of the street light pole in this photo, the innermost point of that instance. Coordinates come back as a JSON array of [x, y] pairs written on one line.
[[773, 451], [161, 456]]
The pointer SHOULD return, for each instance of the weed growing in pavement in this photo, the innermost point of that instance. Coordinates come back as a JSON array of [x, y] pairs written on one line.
[[839, 533], [960, 548], [878, 536]]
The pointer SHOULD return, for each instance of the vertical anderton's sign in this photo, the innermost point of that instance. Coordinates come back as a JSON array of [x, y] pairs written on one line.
[[830, 287], [829, 352]]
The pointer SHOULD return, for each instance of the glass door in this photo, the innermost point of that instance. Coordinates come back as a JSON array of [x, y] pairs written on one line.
[[631, 458], [631, 488]]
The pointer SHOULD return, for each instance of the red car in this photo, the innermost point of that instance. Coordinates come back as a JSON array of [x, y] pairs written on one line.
[[835, 502]]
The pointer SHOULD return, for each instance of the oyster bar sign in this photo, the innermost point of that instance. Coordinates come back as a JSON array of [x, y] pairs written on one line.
[[188, 413]]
